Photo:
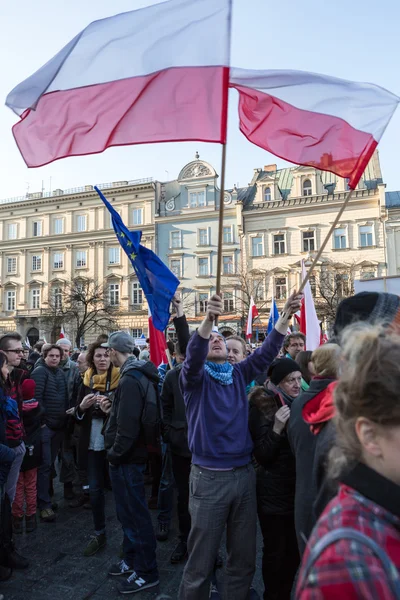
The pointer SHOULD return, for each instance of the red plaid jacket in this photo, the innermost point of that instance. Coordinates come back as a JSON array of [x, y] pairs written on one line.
[[347, 570]]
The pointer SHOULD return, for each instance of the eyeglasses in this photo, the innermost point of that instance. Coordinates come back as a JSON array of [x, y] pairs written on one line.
[[17, 351]]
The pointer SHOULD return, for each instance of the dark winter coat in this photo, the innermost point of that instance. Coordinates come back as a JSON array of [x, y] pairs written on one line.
[[32, 425], [74, 380], [303, 444], [174, 414], [276, 475], [52, 394], [123, 435], [6, 454]]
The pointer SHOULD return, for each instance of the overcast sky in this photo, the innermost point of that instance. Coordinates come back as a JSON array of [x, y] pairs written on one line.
[[324, 37]]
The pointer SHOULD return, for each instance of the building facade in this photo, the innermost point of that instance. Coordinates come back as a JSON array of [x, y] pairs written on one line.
[[50, 239], [393, 232]]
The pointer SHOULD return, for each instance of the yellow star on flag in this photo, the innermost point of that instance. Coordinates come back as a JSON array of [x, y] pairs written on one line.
[[133, 256], [129, 244]]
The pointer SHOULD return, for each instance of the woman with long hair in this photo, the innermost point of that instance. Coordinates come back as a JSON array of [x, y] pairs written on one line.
[[354, 549], [99, 383]]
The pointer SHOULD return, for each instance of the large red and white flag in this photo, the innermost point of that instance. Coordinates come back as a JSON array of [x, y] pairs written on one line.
[[309, 324], [317, 120], [158, 74], [253, 313], [158, 344], [62, 332]]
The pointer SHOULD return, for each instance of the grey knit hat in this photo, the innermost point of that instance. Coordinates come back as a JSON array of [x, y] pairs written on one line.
[[372, 307]]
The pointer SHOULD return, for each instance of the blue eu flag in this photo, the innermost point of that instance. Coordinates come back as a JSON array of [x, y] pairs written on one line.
[[159, 284], [273, 316]]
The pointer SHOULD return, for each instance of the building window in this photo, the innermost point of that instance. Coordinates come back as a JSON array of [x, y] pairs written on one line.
[[267, 194], [227, 265], [228, 302], [58, 260], [279, 243], [227, 232], [203, 302], [58, 226], [280, 288], [57, 298], [175, 266], [203, 237], [175, 239], [12, 231], [308, 241], [37, 228], [137, 216], [313, 285], [307, 187], [257, 246], [37, 262], [259, 293], [342, 285], [339, 239], [81, 223], [113, 256], [197, 199], [110, 218], [368, 275], [366, 236], [137, 294], [113, 294], [10, 300], [81, 259], [137, 333], [11, 264], [203, 267], [35, 298]]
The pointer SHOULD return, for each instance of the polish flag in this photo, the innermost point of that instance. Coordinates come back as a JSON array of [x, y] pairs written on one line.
[[309, 324], [253, 313], [62, 332], [158, 74], [317, 120], [158, 344]]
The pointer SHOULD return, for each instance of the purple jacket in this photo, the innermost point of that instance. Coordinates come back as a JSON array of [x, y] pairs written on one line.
[[218, 414]]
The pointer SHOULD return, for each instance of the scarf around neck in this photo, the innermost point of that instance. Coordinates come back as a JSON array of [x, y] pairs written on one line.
[[98, 382], [220, 372]]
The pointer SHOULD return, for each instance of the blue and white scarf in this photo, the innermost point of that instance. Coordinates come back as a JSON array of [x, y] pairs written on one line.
[[220, 372]]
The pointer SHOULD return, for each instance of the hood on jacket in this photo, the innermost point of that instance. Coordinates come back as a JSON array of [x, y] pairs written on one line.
[[320, 409], [144, 366]]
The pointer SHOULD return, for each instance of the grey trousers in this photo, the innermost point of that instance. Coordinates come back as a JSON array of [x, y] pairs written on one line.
[[12, 478], [219, 498]]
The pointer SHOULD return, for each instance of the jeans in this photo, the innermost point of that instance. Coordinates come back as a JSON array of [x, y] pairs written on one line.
[[51, 443], [181, 469], [166, 489], [219, 499], [95, 471], [12, 477], [280, 555], [25, 494], [139, 540], [68, 471]]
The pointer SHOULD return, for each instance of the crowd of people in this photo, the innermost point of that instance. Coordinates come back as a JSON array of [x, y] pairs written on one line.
[[307, 443]]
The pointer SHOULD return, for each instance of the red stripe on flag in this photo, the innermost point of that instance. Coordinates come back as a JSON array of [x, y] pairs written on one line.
[[303, 137], [158, 345], [179, 104]]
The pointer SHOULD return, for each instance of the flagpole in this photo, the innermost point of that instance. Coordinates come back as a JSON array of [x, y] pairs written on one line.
[[324, 243], [221, 219]]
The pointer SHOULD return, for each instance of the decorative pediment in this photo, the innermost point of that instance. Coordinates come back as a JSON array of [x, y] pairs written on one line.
[[35, 282], [368, 263], [113, 276], [197, 169]]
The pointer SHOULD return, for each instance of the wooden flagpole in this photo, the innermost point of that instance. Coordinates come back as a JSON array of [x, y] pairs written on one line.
[[221, 219], [324, 243]]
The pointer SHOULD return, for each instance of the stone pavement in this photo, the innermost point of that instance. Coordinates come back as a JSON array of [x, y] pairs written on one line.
[[59, 571]]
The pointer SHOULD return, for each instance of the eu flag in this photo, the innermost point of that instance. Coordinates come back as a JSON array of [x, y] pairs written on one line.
[[273, 316], [159, 284]]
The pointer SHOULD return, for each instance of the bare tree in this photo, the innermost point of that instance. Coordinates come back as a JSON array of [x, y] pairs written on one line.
[[333, 282], [246, 285], [85, 304]]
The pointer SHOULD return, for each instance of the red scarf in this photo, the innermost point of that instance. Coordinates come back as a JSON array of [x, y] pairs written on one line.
[[320, 409]]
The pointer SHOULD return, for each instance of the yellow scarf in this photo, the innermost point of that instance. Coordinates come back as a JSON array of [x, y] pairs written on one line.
[[98, 382]]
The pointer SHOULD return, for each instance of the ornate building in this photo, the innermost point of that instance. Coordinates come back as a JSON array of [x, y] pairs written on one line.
[[393, 232]]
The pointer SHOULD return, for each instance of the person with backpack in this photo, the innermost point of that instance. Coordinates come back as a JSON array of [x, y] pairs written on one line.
[[134, 423], [354, 549]]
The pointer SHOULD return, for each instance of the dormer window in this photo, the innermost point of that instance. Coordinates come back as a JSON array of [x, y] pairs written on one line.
[[267, 194], [307, 188]]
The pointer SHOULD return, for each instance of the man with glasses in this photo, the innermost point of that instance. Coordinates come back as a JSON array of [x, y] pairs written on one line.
[[11, 345]]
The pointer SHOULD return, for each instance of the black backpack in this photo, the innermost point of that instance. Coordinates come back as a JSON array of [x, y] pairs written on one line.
[[151, 414]]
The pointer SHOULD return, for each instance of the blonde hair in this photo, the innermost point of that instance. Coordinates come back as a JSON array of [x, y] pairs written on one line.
[[326, 360], [368, 387]]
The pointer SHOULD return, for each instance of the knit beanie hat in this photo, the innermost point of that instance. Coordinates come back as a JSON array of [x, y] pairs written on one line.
[[28, 389], [280, 368], [373, 307]]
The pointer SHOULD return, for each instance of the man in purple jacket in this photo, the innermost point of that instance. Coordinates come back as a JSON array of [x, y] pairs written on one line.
[[222, 479]]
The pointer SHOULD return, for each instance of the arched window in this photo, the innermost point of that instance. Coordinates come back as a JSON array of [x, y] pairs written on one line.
[[307, 187], [267, 194]]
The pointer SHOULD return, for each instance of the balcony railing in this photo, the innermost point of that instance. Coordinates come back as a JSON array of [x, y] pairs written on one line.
[[305, 200]]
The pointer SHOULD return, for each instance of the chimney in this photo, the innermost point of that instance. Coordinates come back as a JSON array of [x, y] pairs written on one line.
[[270, 169]]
